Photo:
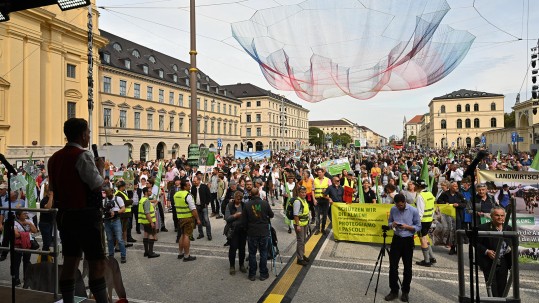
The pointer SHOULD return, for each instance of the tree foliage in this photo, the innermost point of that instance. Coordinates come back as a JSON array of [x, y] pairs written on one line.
[[509, 119], [316, 136]]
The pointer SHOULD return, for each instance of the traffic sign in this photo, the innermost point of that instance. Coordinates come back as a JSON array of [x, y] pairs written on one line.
[[520, 139], [483, 139], [219, 142], [514, 136]]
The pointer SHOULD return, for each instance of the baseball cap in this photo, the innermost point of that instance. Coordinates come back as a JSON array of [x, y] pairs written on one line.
[[350, 173]]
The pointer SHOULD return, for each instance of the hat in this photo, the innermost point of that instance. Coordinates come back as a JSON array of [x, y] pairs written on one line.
[[3, 186], [120, 184], [232, 182], [350, 173], [505, 185], [421, 183]]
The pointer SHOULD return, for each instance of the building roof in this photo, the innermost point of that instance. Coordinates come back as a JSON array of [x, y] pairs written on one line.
[[465, 93], [415, 120], [246, 90], [121, 49], [322, 123]]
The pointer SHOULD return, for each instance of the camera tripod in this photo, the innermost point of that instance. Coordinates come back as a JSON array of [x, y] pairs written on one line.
[[378, 263]]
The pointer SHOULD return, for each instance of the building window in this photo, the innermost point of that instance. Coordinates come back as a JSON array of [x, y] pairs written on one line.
[[198, 103], [459, 123], [161, 96], [137, 90], [152, 59], [123, 87], [171, 98], [181, 124], [468, 123], [230, 109], [106, 85], [259, 131], [493, 122], [161, 74], [467, 107], [459, 108], [175, 78], [135, 53], [123, 119], [224, 108], [189, 104], [235, 129], [198, 84], [235, 110], [106, 57], [248, 118], [205, 126], [205, 104], [161, 122], [230, 128], [150, 121], [149, 94], [180, 99], [71, 110], [71, 71], [127, 64], [442, 109], [198, 126], [258, 118], [117, 47], [212, 106], [137, 120], [187, 81], [492, 106], [171, 124], [212, 127], [443, 124], [218, 128], [248, 131], [248, 104], [476, 107], [258, 103], [107, 119], [476, 123], [145, 69], [218, 107]]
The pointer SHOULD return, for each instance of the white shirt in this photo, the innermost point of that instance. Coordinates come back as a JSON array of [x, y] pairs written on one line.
[[190, 202]]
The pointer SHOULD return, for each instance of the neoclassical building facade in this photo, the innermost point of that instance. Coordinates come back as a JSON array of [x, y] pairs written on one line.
[[145, 103]]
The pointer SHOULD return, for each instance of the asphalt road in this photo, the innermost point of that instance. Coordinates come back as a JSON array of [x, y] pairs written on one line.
[[340, 272]]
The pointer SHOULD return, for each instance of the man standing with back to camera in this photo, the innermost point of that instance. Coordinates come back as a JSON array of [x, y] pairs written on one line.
[[75, 179], [404, 220]]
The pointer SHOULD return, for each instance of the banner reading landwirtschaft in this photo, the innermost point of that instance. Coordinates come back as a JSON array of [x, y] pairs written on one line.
[[524, 187], [363, 223]]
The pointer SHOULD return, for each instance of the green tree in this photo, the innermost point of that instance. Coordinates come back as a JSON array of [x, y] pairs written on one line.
[[509, 119], [316, 136], [345, 139]]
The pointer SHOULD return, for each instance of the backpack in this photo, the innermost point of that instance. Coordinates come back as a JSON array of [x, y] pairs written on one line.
[[290, 209]]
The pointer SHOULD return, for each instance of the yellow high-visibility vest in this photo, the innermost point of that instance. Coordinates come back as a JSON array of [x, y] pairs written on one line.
[[180, 202], [142, 216], [428, 212], [320, 187], [124, 196]]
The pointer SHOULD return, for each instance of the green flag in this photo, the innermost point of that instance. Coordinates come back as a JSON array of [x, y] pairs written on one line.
[[400, 182], [378, 198], [451, 155], [157, 184], [535, 163], [31, 183], [499, 157], [360, 191], [424, 175]]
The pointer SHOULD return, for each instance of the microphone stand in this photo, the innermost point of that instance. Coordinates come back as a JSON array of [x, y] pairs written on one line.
[[10, 225]]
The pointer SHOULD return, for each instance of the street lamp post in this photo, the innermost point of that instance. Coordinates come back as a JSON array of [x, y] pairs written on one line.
[[193, 75]]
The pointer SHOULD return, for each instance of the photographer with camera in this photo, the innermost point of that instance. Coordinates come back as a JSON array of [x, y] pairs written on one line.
[[112, 208], [404, 220]]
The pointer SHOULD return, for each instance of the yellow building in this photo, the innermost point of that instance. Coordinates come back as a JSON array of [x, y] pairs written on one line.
[[145, 103], [261, 115], [411, 130], [459, 119], [43, 68]]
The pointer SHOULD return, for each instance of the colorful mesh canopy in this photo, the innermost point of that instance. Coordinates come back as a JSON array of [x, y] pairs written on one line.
[[329, 48]]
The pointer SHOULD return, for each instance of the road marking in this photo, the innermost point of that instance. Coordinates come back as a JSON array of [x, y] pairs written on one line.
[[292, 275]]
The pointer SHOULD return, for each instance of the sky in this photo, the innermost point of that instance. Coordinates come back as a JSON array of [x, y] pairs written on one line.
[[498, 61]]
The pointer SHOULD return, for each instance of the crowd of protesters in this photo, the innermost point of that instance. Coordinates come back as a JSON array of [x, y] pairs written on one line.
[[230, 189]]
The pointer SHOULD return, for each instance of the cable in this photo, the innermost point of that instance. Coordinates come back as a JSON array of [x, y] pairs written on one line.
[[475, 8], [177, 7]]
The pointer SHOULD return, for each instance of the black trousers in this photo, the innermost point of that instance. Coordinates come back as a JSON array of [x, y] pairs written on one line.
[[7, 234], [162, 214], [214, 203], [135, 211], [500, 278], [238, 241], [174, 214], [401, 248]]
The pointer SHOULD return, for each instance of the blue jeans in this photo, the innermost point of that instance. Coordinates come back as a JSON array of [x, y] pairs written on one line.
[[204, 220], [260, 244], [46, 233], [113, 229]]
